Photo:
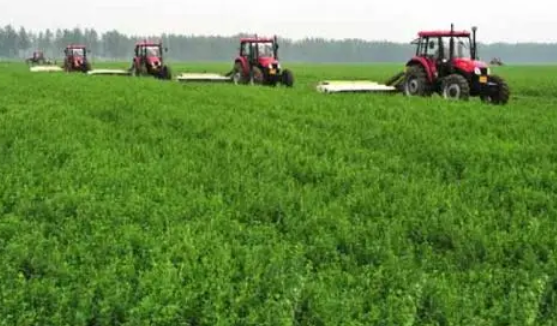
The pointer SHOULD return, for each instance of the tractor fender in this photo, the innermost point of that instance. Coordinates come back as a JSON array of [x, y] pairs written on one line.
[[243, 63], [419, 61]]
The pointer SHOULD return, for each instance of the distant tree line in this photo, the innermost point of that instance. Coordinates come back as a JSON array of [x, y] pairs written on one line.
[[17, 43]]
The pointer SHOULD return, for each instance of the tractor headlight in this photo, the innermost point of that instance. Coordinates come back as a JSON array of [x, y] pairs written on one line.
[[477, 71]]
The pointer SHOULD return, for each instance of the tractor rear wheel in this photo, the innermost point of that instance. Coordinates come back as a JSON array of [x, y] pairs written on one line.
[[238, 76], [258, 76], [416, 83], [501, 95], [455, 87], [134, 71], [287, 78]]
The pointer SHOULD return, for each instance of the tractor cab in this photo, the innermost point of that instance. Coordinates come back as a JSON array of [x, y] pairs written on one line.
[[437, 47], [75, 51], [76, 58], [149, 54], [148, 50], [148, 60], [258, 62], [38, 55], [261, 52], [450, 51]]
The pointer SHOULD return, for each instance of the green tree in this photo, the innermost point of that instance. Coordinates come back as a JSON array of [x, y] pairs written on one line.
[[23, 40]]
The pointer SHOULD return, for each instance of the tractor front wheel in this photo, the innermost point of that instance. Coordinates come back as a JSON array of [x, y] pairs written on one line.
[[86, 67], [501, 95], [287, 78], [416, 83], [455, 87], [165, 73]]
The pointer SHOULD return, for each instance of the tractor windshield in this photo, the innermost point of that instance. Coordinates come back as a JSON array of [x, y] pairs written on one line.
[[152, 51], [461, 47], [265, 49], [76, 51]]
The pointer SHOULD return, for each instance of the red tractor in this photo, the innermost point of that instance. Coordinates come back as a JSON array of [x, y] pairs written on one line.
[[446, 63], [37, 58], [258, 63], [148, 60], [76, 58]]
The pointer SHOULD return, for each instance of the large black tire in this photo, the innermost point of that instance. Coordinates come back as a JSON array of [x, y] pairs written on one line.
[[455, 87], [416, 82], [86, 67], [501, 95], [134, 72], [165, 73], [237, 74], [258, 76], [287, 78]]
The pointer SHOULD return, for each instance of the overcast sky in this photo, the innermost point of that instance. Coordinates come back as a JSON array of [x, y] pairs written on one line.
[[512, 21]]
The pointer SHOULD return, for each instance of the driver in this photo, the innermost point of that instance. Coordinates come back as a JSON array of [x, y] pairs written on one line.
[[445, 55], [264, 49]]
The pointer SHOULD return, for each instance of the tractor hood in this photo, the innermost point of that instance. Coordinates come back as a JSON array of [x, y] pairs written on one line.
[[266, 61], [467, 64], [154, 60], [78, 60]]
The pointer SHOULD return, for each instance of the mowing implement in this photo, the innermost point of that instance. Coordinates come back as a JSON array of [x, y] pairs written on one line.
[[203, 77], [147, 61], [257, 63], [109, 72], [445, 63], [46, 69], [75, 60], [39, 63]]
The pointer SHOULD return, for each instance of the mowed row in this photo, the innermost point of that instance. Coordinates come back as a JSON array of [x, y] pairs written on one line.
[[127, 200]]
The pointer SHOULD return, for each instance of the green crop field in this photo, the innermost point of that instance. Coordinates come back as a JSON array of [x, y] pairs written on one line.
[[134, 201]]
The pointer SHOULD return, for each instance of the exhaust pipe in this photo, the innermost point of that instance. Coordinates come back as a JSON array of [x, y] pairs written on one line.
[[474, 45], [451, 44]]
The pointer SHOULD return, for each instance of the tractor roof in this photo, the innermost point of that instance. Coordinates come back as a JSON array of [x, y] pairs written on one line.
[[75, 46], [147, 43], [443, 33], [256, 40]]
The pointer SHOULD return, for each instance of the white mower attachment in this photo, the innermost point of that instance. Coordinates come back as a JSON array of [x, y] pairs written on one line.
[[352, 86], [109, 72], [46, 69], [203, 77]]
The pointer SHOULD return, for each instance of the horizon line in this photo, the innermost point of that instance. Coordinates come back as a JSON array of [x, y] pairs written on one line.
[[100, 32]]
